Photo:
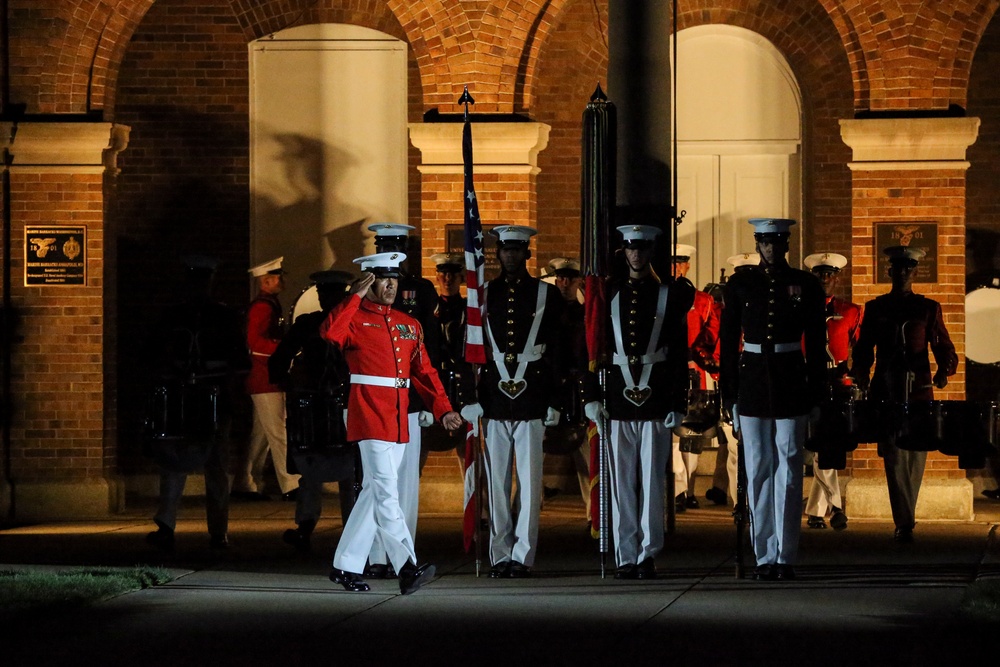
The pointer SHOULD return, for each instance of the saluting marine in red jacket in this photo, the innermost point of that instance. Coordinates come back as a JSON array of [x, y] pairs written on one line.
[[385, 353]]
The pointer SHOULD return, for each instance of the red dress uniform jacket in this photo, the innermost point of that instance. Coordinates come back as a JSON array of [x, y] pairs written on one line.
[[843, 326], [895, 335], [378, 340], [263, 336], [703, 335]]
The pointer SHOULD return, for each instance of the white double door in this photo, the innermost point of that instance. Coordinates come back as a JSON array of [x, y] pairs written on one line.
[[721, 191]]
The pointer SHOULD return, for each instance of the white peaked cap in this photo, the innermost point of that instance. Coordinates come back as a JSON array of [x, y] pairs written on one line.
[[390, 229], [744, 259], [272, 266], [684, 250], [771, 225], [825, 259], [384, 263], [639, 232], [515, 233]]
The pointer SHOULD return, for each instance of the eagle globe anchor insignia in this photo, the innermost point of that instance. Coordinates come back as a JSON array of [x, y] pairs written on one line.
[[512, 388], [637, 395]]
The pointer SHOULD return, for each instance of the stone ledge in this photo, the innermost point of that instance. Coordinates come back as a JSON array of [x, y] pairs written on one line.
[[939, 499], [88, 499]]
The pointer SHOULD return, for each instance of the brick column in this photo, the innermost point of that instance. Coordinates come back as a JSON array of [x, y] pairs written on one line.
[[505, 170], [912, 170], [62, 458]]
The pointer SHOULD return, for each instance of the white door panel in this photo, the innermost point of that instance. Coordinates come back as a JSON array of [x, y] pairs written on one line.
[[698, 197]]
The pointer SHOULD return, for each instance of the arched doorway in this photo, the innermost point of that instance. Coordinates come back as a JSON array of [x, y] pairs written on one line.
[[328, 145], [739, 143]]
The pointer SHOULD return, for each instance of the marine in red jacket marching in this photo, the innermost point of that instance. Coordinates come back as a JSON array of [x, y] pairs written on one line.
[[843, 325], [264, 331], [385, 353]]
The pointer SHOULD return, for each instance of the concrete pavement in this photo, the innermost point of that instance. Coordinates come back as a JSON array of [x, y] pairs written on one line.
[[860, 598]]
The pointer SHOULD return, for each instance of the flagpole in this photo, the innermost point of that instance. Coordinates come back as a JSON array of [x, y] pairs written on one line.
[[475, 353]]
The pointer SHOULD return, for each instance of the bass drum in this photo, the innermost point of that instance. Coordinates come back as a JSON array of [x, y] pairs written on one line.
[[306, 302], [982, 345]]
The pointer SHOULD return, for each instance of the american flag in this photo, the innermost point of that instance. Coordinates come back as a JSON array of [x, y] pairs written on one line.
[[475, 261], [475, 352]]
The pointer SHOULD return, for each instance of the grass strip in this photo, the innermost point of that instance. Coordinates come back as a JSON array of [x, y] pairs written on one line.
[[982, 600], [37, 591]]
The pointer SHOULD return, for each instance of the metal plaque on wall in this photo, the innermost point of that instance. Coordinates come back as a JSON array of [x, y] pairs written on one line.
[[455, 241], [922, 235], [55, 255]]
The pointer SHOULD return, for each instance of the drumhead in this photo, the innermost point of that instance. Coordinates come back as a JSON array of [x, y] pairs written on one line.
[[982, 312], [306, 302]]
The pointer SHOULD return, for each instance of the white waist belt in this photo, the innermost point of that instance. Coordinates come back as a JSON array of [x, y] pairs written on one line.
[[756, 348], [380, 381]]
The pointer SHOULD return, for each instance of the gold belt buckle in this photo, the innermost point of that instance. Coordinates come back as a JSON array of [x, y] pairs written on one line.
[[400, 383]]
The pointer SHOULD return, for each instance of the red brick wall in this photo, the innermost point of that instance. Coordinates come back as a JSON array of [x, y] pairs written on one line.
[[57, 411], [888, 196], [983, 204]]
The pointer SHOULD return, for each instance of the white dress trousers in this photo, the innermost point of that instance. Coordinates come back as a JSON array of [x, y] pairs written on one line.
[[639, 451], [773, 454], [267, 434], [409, 488], [727, 464], [509, 443], [825, 492], [376, 511]]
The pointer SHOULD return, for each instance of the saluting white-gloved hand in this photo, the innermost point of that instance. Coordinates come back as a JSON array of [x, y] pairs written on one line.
[[551, 417], [596, 413], [425, 419], [472, 413], [673, 420]]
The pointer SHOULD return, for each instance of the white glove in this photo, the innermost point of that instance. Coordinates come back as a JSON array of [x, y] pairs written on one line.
[[596, 413], [551, 417], [736, 419], [673, 420], [425, 419], [472, 413]]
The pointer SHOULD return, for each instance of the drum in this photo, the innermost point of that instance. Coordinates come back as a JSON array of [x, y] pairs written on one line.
[[918, 426], [306, 302], [982, 346], [970, 431], [314, 421], [703, 415], [571, 432], [182, 424]]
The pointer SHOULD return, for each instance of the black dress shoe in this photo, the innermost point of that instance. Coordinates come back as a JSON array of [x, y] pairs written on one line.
[[249, 495], [518, 570], [376, 570], [627, 571], [412, 577], [903, 535], [350, 581], [297, 539], [646, 569], [500, 570], [716, 495], [816, 522], [992, 494], [162, 538], [784, 572], [766, 572], [838, 520], [679, 504], [691, 502]]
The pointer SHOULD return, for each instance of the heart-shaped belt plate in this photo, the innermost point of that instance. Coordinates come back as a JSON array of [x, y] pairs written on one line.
[[512, 388], [637, 395]]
